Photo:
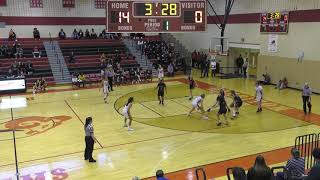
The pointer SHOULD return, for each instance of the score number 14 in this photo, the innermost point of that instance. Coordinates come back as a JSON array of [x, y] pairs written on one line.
[[124, 16]]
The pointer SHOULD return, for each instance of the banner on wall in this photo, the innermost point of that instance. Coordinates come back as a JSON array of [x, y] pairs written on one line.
[[273, 43]]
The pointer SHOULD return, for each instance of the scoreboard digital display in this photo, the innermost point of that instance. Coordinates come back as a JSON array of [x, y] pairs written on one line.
[[275, 22], [156, 16]]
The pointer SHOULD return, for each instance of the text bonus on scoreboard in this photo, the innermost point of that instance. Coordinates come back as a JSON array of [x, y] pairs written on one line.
[[156, 16]]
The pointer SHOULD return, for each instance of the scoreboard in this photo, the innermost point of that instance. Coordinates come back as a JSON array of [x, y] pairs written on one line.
[[275, 22], [156, 16]]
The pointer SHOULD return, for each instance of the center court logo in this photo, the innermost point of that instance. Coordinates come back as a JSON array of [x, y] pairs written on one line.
[[34, 125], [55, 174]]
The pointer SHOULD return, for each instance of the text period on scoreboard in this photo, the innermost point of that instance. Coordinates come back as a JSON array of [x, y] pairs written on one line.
[[156, 16]]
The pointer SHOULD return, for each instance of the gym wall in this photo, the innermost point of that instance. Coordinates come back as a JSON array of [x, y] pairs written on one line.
[[302, 37]]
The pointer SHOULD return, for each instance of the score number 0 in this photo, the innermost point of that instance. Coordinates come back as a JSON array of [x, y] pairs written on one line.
[[123, 15], [198, 16]]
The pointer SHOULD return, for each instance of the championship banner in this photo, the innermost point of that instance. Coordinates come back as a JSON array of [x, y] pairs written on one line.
[[273, 43]]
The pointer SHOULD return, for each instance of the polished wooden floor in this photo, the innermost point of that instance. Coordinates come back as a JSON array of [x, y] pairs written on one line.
[[52, 141]]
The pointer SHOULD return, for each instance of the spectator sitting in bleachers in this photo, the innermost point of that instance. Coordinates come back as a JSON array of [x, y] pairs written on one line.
[[295, 166], [80, 34], [14, 68], [93, 34], [160, 175], [12, 35], [103, 60], [149, 75], [314, 173], [82, 79], [72, 58], [260, 170], [132, 76], [39, 86], [18, 51], [170, 69], [160, 51], [118, 75], [36, 34], [14, 48], [75, 34], [10, 73], [62, 34], [36, 52], [74, 78], [103, 34], [87, 34], [5, 50], [138, 74], [21, 69], [29, 68]]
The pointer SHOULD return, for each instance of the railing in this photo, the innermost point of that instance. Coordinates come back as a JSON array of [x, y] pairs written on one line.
[[202, 171], [237, 172], [58, 60], [305, 144]]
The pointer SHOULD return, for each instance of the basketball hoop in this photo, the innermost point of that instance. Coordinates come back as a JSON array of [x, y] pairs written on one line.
[[219, 45]]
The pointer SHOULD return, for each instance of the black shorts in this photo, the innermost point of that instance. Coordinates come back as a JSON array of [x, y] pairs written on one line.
[[222, 111], [160, 93], [191, 87]]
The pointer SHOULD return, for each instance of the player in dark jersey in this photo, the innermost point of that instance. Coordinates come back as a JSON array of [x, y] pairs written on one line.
[[236, 104], [223, 108], [161, 88], [192, 85]]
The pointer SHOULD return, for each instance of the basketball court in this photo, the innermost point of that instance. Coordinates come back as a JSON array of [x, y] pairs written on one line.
[[51, 143]]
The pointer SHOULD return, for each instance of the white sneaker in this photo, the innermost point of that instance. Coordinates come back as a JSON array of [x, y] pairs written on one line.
[[130, 129]]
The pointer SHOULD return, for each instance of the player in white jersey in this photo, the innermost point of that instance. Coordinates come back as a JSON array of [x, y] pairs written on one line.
[[259, 96], [127, 115], [160, 72], [197, 103], [105, 87]]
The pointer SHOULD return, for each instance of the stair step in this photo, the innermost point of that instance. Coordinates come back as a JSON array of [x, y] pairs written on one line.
[[60, 71]]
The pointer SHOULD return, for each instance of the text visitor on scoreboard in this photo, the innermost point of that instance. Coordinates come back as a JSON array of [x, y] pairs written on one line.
[[156, 16]]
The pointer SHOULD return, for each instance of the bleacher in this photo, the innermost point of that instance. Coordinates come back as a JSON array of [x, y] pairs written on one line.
[[87, 54], [27, 45], [40, 65]]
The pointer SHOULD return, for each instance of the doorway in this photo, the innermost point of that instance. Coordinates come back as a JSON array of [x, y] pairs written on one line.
[[252, 56]]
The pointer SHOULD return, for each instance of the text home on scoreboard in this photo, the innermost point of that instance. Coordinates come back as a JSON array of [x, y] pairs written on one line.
[[156, 16]]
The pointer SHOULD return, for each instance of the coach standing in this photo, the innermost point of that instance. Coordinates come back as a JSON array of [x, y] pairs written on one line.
[[306, 98], [109, 74], [89, 139]]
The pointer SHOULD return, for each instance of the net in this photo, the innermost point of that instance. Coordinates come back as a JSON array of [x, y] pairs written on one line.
[[219, 45]]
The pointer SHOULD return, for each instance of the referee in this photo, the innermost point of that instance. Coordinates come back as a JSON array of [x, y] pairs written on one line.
[[89, 139]]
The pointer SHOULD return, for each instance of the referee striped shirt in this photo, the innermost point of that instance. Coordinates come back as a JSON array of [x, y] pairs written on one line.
[[88, 130], [296, 166], [306, 91]]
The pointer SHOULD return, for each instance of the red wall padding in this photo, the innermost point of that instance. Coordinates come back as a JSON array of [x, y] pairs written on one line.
[[3, 2]]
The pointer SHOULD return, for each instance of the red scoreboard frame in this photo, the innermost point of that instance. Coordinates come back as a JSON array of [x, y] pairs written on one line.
[[274, 22], [156, 16]]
